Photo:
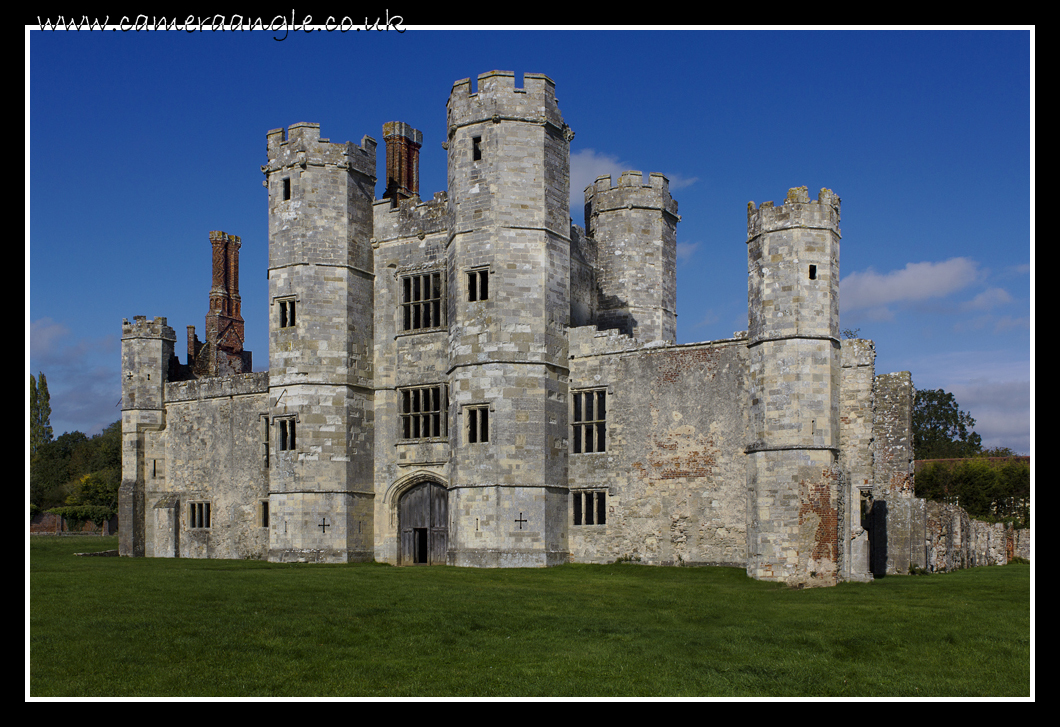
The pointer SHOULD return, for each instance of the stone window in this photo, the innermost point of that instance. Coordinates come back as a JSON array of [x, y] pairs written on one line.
[[288, 443], [199, 515], [590, 508], [589, 421], [421, 301], [478, 424], [264, 513], [478, 285], [286, 189], [424, 412], [813, 272], [287, 313], [476, 148]]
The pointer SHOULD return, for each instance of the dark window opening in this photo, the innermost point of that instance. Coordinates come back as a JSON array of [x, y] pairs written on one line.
[[286, 189], [424, 412], [478, 423], [199, 515], [287, 314], [478, 285], [590, 508], [421, 301], [287, 435], [589, 421], [813, 272], [264, 513], [476, 148]]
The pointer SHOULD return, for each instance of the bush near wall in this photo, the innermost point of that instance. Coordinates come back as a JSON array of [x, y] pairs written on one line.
[[994, 489]]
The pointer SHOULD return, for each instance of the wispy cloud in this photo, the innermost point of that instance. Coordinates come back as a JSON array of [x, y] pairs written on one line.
[[685, 250], [873, 292], [588, 164], [987, 300]]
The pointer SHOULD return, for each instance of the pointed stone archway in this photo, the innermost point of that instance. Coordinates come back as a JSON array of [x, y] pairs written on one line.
[[423, 524]]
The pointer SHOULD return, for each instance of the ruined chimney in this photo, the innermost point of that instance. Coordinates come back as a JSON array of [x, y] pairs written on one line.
[[402, 161], [222, 353]]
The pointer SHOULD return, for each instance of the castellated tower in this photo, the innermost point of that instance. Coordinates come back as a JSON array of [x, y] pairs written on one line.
[[146, 357], [508, 312], [794, 383], [635, 228], [320, 419]]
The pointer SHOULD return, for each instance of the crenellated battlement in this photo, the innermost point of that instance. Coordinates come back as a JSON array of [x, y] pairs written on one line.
[[301, 145], [797, 211], [630, 192], [498, 99], [143, 328]]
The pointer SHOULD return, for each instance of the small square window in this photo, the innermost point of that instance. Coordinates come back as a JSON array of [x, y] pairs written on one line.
[[199, 515], [590, 508]]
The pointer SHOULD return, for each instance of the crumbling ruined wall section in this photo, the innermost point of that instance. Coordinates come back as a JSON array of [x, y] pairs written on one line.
[[893, 433], [673, 465], [857, 409]]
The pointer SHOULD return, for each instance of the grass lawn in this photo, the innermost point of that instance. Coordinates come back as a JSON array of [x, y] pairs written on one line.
[[169, 627]]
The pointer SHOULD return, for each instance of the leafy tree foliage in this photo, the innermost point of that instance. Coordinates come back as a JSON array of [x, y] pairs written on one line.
[[940, 429], [78, 471], [40, 413], [992, 491]]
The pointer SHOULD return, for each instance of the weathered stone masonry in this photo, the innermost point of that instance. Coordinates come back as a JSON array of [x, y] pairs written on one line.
[[473, 380]]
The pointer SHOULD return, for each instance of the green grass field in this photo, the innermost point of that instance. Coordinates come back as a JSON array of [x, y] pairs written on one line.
[[161, 627]]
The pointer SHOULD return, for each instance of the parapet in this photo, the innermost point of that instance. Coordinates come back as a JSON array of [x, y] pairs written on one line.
[[143, 328], [410, 218], [302, 146], [631, 192], [498, 99], [797, 211]]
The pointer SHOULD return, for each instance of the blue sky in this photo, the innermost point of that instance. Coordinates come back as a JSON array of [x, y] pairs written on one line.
[[140, 143]]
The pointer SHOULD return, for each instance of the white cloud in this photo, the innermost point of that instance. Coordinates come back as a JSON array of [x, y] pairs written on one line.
[[916, 282], [987, 299], [685, 250]]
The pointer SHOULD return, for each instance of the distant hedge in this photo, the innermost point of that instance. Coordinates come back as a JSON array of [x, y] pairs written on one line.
[[995, 490], [84, 513]]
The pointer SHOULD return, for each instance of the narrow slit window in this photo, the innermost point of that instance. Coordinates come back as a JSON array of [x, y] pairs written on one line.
[[286, 189], [287, 435], [478, 424], [813, 272], [476, 148], [264, 513]]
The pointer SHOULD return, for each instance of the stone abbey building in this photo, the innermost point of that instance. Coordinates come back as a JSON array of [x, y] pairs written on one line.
[[473, 380]]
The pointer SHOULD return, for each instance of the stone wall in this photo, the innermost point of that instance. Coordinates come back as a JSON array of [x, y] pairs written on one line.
[[673, 471]]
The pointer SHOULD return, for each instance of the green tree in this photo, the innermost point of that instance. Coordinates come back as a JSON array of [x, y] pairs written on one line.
[[940, 429], [40, 413]]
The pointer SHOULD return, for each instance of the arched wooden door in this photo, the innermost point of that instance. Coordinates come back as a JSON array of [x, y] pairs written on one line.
[[423, 518]]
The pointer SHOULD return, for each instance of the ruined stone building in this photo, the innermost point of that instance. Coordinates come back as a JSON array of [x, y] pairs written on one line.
[[473, 380]]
